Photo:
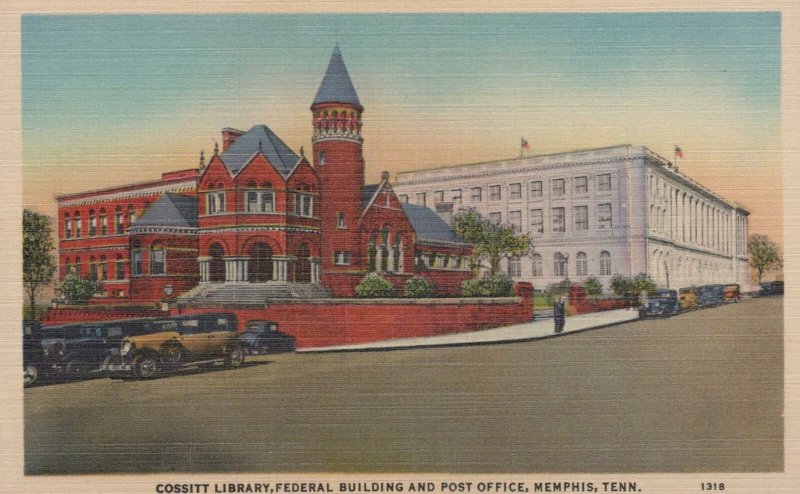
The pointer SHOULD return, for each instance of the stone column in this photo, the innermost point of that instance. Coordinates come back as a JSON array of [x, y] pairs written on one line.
[[280, 268], [236, 269], [204, 266]]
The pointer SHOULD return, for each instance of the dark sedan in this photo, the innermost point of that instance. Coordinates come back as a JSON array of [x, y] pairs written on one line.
[[263, 337]]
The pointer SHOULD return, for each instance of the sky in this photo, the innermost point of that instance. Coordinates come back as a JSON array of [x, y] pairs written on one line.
[[111, 99]]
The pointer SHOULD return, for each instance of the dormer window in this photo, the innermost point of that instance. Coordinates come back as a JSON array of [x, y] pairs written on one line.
[[303, 201], [215, 202]]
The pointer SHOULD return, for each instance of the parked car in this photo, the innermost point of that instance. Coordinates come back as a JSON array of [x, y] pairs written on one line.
[[710, 295], [771, 288], [54, 346], [732, 293], [688, 297], [85, 349], [661, 303], [263, 337], [200, 339], [33, 367]]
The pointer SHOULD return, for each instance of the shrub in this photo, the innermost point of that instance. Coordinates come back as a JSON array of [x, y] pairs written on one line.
[[560, 288], [419, 287], [374, 285], [78, 290], [632, 287], [497, 285], [593, 287]]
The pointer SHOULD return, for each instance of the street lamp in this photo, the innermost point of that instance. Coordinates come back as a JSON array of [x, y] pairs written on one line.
[[168, 291], [566, 267]]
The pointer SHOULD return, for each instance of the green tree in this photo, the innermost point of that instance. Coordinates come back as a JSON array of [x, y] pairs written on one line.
[[78, 290], [630, 288], [593, 286], [374, 285], [489, 241], [765, 255], [38, 265]]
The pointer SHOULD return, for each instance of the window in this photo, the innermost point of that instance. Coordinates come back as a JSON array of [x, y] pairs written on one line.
[[558, 187], [252, 202], [475, 194], [404, 198], [421, 199], [515, 218], [131, 215], [537, 221], [323, 158], [77, 225], [536, 189], [558, 220], [136, 262], [581, 218], [103, 222], [92, 224], [157, 260], [581, 185], [77, 267], [514, 266], [118, 224], [515, 192], [581, 264], [120, 268], [67, 227], [605, 264], [496, 218], [216, 202], [456, 194], [559, 264], [604, 182], [267, 198], [93, 269], [340, 220], [438, 196], [341, 258], [537, 266], [303, 204], [494, 193], [103, 268], [604, 216]]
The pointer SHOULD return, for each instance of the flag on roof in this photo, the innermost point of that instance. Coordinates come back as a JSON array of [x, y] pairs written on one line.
[[678, 152]]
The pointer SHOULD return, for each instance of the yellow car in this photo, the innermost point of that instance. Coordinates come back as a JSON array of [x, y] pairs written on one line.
[[200, 339], [689, 298]]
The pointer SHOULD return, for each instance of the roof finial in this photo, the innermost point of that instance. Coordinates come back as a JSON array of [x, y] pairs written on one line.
[[302, 153], [202, 160], [384, 176], [260, 144], [216, 148]]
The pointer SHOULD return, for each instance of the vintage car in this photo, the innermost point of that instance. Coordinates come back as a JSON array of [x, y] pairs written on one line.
[[200, 339], [33, 367], [661, 303], [710, 295], [54, 346], [771, 288], [688, 297], [84, 349], [732, 293], [263, 337]]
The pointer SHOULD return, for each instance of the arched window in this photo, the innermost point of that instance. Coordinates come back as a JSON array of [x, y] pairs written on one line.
[[217, 264], [136, 258], [131, 215], [92, 223], [158, 259], [397, 254], [92, 268], [537, 266], [582, 264], [77, 267], [118, 222], [260, 265], [67, 266], [103, 222], [119, 267], [323, 158], [605, 264], [77, 219], [559, 264], [384, 248], [371, 251], [103, 272], [67, 226], [514, 266]]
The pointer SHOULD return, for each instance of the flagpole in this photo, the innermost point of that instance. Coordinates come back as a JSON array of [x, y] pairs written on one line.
[[521, 140]]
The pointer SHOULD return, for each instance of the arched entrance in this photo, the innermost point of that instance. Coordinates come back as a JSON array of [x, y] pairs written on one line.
[[302, 265], [217, 264], [260, 265]]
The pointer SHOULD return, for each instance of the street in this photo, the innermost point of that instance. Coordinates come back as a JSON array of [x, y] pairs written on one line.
[[699, 392]]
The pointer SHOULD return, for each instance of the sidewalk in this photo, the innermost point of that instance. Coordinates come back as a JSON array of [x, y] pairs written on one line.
[[519, 332]]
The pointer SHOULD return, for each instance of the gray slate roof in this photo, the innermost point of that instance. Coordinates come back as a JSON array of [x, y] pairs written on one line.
[[336, 86], [430, 226], [271, 146], [368, 192], [170, 209]]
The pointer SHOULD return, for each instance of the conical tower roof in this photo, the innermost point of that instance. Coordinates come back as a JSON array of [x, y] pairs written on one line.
[[336, 86]]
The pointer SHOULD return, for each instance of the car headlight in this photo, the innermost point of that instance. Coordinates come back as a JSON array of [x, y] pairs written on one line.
[[127, 346], [46, 352]]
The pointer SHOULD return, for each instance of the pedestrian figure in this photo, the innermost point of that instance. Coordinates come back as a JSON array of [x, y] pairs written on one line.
[[558, 314]]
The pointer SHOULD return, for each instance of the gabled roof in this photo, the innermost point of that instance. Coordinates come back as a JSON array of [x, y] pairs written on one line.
[[170, 210], [367, 193], [336, 86], [430, 226], [260, 139]]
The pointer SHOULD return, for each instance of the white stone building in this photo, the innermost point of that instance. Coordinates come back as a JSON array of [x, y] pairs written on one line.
[[597, 212]]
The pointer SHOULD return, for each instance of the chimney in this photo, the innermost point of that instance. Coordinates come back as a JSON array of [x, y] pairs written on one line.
[[229, 136]]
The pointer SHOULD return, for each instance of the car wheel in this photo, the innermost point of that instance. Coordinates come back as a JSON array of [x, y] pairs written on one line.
[[172, 354], [235, 358], [76, 368], [30, 372], [145, 366]]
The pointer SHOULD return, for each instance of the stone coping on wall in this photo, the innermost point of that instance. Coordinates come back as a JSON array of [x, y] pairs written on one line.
[[364, 301]]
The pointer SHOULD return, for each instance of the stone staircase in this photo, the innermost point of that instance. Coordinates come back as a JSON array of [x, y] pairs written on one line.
[[250, 293]]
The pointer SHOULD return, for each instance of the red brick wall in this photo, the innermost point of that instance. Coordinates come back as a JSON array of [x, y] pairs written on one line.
[[85, 314]]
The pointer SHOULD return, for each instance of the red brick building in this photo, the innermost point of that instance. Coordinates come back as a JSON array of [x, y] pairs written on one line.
[[260, 214]]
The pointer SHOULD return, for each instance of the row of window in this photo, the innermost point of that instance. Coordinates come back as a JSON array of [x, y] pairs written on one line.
[[557, 189], [98, 267], [561, 265], [260, 202], [557, 218], [97, 223]]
